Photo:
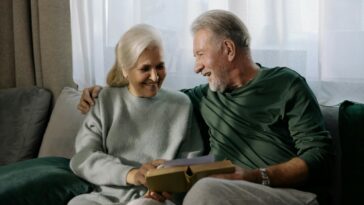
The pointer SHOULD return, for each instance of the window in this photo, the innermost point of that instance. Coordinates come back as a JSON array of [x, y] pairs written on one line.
[[322, 40]]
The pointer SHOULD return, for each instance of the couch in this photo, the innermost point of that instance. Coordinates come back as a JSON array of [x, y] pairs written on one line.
[[46, 144], [36, 145]]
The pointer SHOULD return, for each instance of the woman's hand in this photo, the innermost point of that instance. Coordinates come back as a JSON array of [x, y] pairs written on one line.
[[137, 176], [159, 196]]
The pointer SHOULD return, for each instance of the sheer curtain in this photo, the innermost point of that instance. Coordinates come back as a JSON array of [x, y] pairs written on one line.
[[322, 40]]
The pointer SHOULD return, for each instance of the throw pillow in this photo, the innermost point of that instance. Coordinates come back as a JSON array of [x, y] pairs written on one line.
[[39, 181], [24, 114], [59, 137], [351, 125]]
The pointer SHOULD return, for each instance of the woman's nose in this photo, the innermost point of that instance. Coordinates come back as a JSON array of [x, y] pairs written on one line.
[[154, 75]]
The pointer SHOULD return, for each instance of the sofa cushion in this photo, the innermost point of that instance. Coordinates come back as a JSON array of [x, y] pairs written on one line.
[[63, 125], [351, 126], [24, 114], [38, 181]]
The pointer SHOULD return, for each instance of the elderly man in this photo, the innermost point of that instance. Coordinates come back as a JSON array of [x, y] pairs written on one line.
[[265, 120]]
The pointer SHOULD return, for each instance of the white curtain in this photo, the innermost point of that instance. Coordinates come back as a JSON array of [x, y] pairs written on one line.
[[323, 40]]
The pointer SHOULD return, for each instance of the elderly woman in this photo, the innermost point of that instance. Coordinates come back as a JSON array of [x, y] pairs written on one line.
[[135, 124]]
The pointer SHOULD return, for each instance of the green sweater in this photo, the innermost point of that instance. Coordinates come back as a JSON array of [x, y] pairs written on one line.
[[272, 119]]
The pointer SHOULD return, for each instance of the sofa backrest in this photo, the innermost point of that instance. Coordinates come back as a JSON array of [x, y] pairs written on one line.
[[63, 125]]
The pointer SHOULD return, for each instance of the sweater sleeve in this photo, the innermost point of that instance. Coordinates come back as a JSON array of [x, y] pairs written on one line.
[[91, 160], [196, 94], [307, 128], [192, 145]]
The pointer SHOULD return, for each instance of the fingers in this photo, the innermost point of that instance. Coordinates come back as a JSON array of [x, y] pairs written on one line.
[[142, 171], [140, 178], [156, 196], [158, 162], [95, 91], [167, 195], [145, 168], [86, 96], [83, 107]]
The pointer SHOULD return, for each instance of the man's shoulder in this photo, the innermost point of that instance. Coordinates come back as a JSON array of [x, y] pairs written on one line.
[[172, 95], [283, 73], [197, 91]]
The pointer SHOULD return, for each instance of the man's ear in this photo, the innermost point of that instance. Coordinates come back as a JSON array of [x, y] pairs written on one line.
[[230, 49]]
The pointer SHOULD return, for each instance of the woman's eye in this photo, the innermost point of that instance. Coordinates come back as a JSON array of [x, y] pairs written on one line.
[[145, 68], [160, 67]]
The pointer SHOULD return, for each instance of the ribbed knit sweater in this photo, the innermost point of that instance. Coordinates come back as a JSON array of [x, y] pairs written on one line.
[[123, 131]]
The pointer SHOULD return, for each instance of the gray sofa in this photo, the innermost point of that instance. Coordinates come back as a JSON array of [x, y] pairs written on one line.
[[53, 132], [31, 129], [36, 145]]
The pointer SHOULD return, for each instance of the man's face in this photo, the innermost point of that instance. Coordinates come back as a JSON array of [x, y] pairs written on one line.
[[209, 59], [146, 78]]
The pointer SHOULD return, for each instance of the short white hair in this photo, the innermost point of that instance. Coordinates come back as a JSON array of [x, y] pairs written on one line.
[[223, 24]]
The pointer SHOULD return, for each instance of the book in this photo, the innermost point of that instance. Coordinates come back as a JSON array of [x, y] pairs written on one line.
[[179, 175]]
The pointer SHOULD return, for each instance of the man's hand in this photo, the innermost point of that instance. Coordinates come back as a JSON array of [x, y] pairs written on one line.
[[137, 176], [287, 174], [87, 98], [241, 174]]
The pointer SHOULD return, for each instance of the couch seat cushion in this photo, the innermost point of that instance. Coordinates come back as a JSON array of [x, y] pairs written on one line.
[[46, 180]]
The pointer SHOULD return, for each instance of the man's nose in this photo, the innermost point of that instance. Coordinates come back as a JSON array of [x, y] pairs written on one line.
[[154, 75], [198, 67]]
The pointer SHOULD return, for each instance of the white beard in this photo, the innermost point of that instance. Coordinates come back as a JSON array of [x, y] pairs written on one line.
[[217, 86]]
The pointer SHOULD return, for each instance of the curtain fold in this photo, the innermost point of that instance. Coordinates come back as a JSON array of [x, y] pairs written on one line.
[[23, 44], [16, 62], [35, 41]]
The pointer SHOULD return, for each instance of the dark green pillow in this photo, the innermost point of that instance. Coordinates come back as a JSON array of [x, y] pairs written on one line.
[[351, 127], [46, 180]]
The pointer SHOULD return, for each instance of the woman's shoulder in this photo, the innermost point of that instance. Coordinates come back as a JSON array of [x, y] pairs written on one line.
[[105, 91], [111, 93]]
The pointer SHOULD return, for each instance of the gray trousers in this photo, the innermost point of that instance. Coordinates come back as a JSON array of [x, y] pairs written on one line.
[[212, 191]]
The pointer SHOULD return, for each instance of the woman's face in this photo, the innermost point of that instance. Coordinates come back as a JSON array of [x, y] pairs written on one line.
[[146, 78]]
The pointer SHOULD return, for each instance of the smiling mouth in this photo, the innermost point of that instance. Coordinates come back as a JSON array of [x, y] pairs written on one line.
[[151, 84], [207, 74]]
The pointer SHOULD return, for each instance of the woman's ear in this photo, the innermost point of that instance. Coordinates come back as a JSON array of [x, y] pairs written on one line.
[[125, 74], [230, 49]]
